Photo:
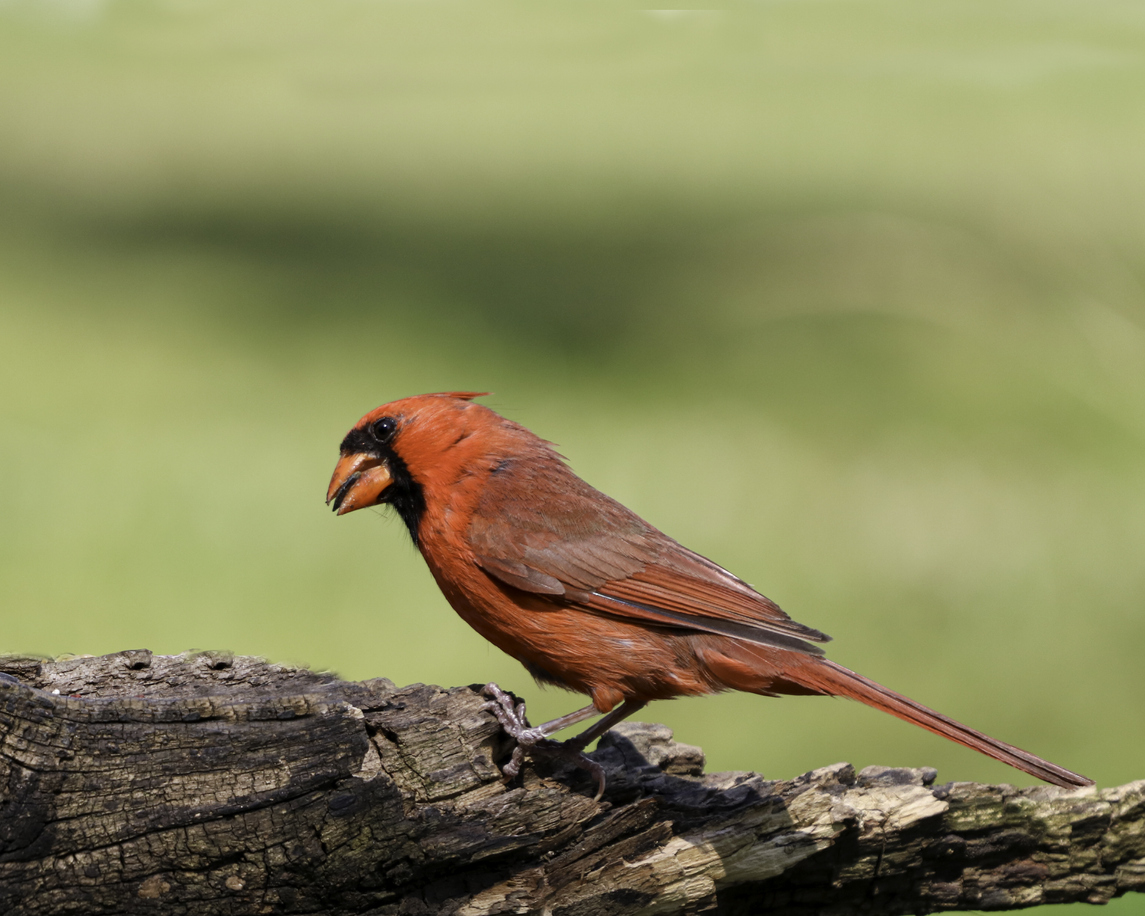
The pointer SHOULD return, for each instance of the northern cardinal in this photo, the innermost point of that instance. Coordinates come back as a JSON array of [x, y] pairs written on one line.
[[582, 591]]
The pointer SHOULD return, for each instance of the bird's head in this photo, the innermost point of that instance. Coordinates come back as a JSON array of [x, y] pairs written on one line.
[[390, 451]]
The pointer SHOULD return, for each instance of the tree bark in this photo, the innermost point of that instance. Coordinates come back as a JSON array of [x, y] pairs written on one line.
[[208, 784]]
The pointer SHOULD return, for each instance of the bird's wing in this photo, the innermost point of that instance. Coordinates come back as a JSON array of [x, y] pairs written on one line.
[[542, 529]]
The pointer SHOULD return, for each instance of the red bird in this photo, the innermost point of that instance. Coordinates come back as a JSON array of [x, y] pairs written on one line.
[[582, 591]]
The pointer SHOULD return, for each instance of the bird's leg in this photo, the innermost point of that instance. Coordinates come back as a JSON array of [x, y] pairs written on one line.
[[536, 739], [513, 721], [512, 718], [594, 731]]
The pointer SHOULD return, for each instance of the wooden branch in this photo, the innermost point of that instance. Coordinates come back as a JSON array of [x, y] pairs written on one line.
[[207, 784]]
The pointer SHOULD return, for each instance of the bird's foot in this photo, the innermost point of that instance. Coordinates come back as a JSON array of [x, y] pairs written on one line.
[[512, 718], [534, 741]]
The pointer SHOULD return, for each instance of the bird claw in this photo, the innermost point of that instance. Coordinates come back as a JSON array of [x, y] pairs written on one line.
[[533, 741], [512, 717]]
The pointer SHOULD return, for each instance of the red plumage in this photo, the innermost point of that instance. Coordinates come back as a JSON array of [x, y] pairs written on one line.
[[581, 590]]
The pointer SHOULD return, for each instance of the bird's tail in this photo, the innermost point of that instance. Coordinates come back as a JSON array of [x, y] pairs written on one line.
[[821, 676]]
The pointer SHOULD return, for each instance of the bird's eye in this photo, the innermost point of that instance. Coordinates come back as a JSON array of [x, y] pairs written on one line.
[[384, 428]]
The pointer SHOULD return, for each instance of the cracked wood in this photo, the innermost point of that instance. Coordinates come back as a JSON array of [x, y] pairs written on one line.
[[209, 784]]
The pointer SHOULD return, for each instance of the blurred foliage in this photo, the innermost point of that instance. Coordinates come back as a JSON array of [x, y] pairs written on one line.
[[849, 296]]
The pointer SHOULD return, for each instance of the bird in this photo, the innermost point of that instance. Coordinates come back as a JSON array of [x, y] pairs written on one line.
[[582, 591]]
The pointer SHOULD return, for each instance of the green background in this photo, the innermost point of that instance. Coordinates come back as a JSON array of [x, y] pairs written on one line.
[[848, 296]]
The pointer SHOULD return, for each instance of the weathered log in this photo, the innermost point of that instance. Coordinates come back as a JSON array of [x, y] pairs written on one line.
[[207, 784]]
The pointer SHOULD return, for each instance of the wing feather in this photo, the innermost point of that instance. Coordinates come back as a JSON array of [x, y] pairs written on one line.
[[571, 542]]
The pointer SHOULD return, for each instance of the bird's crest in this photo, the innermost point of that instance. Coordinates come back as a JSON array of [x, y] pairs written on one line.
[[460, 395]]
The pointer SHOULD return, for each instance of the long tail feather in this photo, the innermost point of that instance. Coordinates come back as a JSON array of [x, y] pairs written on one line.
[[748, 668], [839, 681]]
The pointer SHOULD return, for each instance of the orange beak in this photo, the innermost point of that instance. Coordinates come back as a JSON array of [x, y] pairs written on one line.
[[359, 481]]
